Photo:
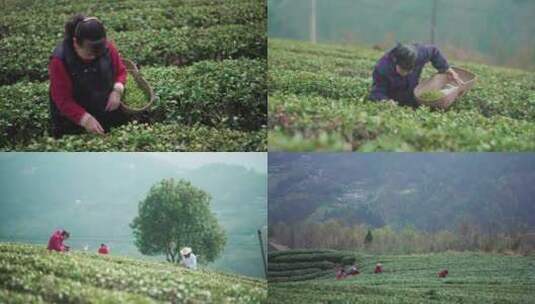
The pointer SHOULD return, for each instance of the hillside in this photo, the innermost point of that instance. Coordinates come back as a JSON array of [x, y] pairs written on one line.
[[427, 191], [318, 101], [473, 278], [30, 214], [31, 274]]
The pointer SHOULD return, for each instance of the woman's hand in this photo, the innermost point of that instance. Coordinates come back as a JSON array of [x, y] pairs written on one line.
[[114, 101], [452, 75], [90, 124]]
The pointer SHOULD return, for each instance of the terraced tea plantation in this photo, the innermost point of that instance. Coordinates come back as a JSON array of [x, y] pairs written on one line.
[[300, 265], [473, 278], [318, 101], [32, 274], [205, 59]]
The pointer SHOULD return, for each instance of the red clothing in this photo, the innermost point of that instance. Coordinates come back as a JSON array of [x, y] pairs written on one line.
[[353, 272], [443, 273], [61, 84], [103, 250], [378, 269], [56, 242]]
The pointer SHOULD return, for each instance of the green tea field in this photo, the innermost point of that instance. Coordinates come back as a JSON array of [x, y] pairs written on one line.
[[206, 61], [473, 278], [32, 274], [318, 101]]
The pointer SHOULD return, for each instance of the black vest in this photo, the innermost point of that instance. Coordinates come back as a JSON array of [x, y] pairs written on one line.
[[92, 82]]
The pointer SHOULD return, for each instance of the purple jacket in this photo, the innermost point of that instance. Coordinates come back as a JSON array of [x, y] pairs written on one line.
[[388, 84]]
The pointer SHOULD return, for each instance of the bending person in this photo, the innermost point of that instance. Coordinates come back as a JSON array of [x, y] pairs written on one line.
[[397, 73], [87, 78], [189, 260], [55, 242]]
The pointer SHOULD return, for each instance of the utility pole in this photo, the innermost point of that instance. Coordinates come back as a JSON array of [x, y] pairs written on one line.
[[433, 21], [262, 251], [312, 21]]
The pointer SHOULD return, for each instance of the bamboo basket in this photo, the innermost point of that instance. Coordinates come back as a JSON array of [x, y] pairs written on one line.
[[440, 82], [133, 71]]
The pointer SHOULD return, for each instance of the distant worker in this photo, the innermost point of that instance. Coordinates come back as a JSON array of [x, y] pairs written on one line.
[[56, 241], [340, 273], [353, 270], [378, 268], [443, 273], [397, 73], [189, 260], [103, 249]]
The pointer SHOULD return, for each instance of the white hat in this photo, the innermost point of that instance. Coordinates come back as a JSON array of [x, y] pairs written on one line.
[[185, 250]]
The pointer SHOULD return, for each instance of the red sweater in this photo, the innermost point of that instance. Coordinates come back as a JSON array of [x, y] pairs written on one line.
[[56, 241], [61, 85], [103, 250]]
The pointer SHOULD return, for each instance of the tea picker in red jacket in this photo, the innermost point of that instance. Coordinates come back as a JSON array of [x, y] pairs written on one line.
[[87, 78], [443, 273], [103, 249], [56, 241]]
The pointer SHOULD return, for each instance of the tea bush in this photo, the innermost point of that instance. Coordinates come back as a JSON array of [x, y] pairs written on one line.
[[318, 101], [31, 274], [177, 46], [318, 123], [133, 16], [300, 265], [228, 94], [473, 278], [155, 137]]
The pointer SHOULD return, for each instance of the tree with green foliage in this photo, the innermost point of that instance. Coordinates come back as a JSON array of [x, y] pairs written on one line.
[[369, 238], [176, 214]]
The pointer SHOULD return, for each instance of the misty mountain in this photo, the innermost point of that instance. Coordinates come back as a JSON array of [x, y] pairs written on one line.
[[429, 191], [95, 196]]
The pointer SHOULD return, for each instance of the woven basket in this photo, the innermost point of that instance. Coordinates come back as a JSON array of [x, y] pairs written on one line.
[[132, 70], [439, 81]]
